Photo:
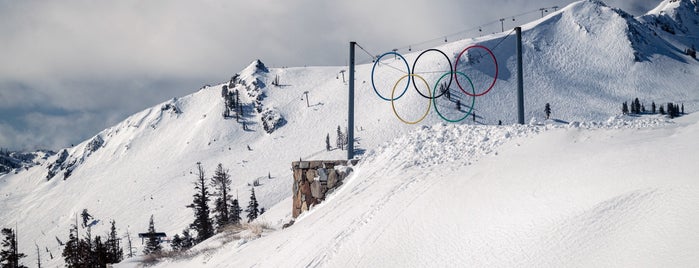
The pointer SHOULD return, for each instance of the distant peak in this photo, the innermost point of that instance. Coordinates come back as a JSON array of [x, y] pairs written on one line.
[[257, 66], [672, 6], [597, 2]]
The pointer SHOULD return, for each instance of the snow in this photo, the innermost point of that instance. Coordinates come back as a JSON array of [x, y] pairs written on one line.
[[586, 188], [548, 195]]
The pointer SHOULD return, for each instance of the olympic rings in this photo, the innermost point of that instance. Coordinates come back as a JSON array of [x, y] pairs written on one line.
[[495, 78], [429, 103], [451, 78], [473, 98], [372, 75], [432, 96]]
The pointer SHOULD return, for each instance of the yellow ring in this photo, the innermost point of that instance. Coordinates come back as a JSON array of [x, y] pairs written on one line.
[[429, 103]]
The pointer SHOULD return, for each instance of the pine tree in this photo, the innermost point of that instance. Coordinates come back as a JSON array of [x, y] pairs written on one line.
[[202, 222], [71, 251], [9, 255], [86, 249], [327, 142], [637, 106], [340, 139], [661, 110], [187, 240], [625, 108], [221, 182], [682, 108], [114, 252], [100, 253], [153, 243], [128, 241], [235, 212], [252, 209], [345, 137], [547, 110], [176, 243], [652, 107], [671, 110]]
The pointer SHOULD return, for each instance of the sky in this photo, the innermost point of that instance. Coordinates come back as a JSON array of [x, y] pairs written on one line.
[[69, 69]]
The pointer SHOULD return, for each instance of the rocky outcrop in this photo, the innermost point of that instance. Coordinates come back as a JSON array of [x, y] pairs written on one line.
[[314, 180]]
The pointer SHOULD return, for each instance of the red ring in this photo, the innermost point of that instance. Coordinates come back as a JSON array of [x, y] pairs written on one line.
[[494, 78]]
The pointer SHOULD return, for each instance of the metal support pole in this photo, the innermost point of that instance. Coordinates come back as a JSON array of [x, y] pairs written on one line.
[[502, 25], [350, 106], [520, 78]]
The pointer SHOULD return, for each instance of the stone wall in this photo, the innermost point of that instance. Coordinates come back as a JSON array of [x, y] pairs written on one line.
[[313, 180]]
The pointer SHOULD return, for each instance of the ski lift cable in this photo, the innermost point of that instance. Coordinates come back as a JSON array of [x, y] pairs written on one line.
[[479, 27]]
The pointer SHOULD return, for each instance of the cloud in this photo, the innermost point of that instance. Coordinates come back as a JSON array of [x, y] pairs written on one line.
[[77, 62]]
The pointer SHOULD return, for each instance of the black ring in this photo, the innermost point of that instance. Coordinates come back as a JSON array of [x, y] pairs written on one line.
[[451, 77]]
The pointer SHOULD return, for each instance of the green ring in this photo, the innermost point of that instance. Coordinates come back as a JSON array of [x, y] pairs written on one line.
[[473, 98]]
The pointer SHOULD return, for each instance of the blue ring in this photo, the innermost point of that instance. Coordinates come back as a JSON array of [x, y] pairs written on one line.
[[407, 84]]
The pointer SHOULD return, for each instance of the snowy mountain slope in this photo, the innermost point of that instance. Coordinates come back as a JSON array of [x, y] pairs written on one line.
[[677, 17], [525, 196], [580, 59]]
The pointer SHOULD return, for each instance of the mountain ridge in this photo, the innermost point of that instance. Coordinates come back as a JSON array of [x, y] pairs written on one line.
[[583, 59]]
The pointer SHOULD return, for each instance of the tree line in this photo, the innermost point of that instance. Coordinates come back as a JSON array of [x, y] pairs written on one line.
[[637, 107]]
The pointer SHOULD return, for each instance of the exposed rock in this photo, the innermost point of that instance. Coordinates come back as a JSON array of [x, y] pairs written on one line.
[[310, 175], [322, 174], [332, 179], [317, 190], [305, 188]]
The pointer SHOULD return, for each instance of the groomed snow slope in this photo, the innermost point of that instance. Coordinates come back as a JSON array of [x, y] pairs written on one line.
[[616, 194]]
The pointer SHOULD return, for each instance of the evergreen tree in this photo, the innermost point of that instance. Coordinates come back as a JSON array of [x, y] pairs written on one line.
[[176, 243], [187, 240], [637, 106], [71, 251], [235, 212], [86, 249], [671, 110], [643, 108], [100, 253], [221, 182], [252, 209], [661, 110], [114, 252], [345, 137], [547, 110], [9, 255], [153, 243], [682, 108], [652, 107], [340, 139], [224, 91], [624, 108], [327, 142], [202, 222], [128, 241]]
